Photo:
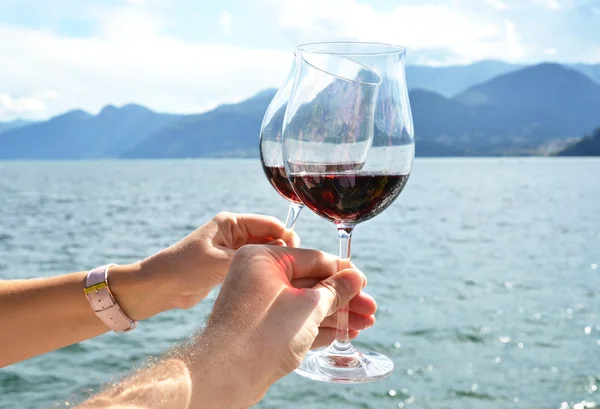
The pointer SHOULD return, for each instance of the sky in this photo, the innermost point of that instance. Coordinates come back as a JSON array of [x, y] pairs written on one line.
[[188, 56]]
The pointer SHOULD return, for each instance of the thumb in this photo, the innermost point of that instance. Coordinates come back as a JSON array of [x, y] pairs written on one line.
[[337, 291], [278, 243]]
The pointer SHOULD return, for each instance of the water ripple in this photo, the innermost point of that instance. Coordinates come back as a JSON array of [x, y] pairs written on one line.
[[498, 289], [470, 394]]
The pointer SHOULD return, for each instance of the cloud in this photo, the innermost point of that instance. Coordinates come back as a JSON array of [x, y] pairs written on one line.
[[11, 106], [549, 4], [497, 4], [461, 32], [130, 59], [463, 35], [139, 52], [225, 22]]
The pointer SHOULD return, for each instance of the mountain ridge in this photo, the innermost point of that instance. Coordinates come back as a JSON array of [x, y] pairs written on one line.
[[14, 124], [589, 145], [454, 79], [518, 112], [77, 134], [534, 105]]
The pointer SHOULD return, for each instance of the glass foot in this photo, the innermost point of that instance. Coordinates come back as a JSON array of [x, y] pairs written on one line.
[[329, 365]]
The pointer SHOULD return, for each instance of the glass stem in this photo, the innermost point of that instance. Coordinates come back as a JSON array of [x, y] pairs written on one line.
[[292, 216], [342, 340]]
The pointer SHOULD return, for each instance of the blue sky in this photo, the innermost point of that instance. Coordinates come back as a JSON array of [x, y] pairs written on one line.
[[189, 56]]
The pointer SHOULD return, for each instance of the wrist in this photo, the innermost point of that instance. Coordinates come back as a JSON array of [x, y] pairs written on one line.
[[218, 369], [184, 281], [137, 291]]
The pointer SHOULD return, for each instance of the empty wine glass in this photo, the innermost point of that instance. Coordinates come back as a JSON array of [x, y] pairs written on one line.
[[270, 149], [348, 149]]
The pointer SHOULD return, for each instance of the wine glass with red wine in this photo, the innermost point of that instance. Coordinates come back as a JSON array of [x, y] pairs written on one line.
[[270, 149], [348, 149]]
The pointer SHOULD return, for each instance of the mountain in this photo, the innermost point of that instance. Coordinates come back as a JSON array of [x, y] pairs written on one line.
[[78, 135], [590, 70], [435, 116], [530, 107], [533, 110], [233, 130], [228, 130], [17, 123], [520, 112], [586, 146], [452, 80]]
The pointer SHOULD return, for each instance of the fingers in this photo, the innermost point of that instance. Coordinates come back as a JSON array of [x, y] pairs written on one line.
[[309, 282], [327, 335], [297, 263], [363, 304], [336, 291], [278, 243], [262, 229], [355, 321]]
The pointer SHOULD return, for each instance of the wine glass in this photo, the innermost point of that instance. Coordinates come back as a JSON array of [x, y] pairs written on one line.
[[348, 148], [270, 149]]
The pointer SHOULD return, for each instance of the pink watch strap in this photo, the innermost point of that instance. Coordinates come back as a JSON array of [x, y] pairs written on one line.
[[103, 303]]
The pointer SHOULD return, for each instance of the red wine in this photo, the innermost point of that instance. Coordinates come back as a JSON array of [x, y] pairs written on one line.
[[278, 176], [324, 167], [279, 180], [348, 197]]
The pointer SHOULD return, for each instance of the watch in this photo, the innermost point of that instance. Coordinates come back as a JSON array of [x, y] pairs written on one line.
[[103, 303]]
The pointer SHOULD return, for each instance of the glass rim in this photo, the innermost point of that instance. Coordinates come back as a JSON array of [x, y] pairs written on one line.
[[372, 83], [395, 49]]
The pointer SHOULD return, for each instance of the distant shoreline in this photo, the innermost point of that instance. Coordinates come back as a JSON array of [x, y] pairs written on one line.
[[257, 159]]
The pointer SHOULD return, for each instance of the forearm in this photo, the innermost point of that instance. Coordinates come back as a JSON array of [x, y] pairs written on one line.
[[41, 315], [204, 375]]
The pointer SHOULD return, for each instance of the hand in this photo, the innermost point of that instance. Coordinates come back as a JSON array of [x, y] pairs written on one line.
[[184, 273], [277, 303]]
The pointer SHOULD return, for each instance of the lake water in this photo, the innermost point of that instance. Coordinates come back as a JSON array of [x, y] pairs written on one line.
[[486, 272]]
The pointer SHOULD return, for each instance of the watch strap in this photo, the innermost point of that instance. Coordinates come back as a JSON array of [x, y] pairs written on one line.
[[103, 303]]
